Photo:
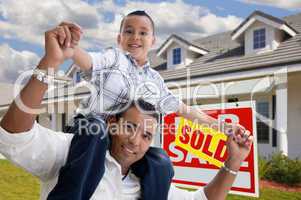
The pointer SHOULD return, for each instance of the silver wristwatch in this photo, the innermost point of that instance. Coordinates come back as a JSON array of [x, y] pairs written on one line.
[[43, 77]]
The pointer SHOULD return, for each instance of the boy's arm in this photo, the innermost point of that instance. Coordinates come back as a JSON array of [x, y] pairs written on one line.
[[198, 116], [82, 59]]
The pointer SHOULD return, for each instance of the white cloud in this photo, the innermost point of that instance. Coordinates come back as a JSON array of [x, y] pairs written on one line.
[[187, 20], [27, 20], [284, 4], [13, 62]]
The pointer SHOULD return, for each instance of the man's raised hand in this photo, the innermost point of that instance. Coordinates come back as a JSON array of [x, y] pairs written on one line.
[[61, 42]]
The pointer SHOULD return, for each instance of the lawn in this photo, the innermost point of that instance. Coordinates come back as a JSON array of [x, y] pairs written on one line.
[[15, 184]]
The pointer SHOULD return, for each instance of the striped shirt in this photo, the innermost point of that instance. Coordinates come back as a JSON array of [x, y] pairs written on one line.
[[116, 80]]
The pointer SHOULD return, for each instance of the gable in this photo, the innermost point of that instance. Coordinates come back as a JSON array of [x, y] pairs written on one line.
[[257, 16], [176, 40]]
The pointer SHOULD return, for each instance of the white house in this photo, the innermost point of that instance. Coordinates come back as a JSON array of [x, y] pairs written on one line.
[[259, 60]]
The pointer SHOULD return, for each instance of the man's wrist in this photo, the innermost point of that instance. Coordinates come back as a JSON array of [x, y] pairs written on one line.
[[233, 164], [229, 170]]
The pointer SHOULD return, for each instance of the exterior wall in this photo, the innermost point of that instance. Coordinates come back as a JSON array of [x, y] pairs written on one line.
[[190, 57], [270, 38], [279, 37], [239, 91], [294, 115]]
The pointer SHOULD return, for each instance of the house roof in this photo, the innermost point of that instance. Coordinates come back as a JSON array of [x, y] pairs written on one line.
[[227, 55], [258, 15], [192, 46]]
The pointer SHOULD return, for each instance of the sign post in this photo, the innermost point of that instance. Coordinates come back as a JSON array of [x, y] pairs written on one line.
[[197, 151]]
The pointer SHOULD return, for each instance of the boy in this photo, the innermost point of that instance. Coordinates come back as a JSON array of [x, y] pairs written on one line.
[[117, 74]]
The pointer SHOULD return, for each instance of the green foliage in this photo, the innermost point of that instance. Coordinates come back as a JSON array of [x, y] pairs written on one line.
[[281, 169], [262, 166]]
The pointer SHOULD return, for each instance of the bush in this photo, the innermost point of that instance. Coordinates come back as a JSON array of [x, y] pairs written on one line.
[[281, 169], [262, 166]]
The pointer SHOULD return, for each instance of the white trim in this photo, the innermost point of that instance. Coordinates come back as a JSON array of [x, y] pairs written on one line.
[[282, 110], [189, 47], [243, 28], [287, 29], [69, 71], [164, 48], [235, 75], [197, 50]]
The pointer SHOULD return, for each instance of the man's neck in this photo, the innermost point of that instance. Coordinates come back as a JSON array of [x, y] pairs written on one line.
[[124, 170], [124, 167]]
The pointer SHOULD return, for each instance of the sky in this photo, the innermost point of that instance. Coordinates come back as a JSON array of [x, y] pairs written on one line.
[[23, 23]]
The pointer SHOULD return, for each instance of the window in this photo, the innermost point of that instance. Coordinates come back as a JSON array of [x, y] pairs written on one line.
[[259, 38], [77, 78], [263, 128], [176, 56]]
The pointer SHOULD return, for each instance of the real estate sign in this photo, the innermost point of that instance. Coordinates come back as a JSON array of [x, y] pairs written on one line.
[[197, 151]]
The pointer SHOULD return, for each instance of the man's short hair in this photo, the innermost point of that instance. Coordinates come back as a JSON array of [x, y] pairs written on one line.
[[138, 13], [145, 108]]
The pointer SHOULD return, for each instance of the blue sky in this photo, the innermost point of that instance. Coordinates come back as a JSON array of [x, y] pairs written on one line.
[[22, 23]]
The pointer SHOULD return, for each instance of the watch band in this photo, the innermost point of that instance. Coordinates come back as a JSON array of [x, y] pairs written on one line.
[[229, 170], [45, 78]]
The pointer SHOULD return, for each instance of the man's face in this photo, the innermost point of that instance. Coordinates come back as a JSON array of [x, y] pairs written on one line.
[[136, 37], [132, 136]]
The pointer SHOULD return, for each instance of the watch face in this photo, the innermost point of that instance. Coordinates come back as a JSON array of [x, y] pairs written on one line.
[[40, 77]]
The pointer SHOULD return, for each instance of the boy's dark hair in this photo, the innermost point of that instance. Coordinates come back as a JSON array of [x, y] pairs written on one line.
[[138, 13], [144, 107]]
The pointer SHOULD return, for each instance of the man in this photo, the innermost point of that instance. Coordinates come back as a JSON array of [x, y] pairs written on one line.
[[43, 153], [129, 168]]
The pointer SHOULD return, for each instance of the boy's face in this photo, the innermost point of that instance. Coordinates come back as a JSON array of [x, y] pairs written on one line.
[[136, 37]]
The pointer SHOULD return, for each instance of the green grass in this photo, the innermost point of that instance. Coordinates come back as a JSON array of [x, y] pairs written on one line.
[[15, 184], [269, 194]]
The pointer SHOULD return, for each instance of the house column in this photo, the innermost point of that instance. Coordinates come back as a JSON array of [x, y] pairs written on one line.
[[281, 110], [53, 121]]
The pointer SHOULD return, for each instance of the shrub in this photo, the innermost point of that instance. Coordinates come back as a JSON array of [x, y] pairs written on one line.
[[262, 166], [281, 169]]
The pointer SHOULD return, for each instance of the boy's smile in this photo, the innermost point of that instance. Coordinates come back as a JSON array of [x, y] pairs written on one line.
[[137, 37]]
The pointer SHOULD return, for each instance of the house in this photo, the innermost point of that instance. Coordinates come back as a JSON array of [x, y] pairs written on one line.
[[260, 60]]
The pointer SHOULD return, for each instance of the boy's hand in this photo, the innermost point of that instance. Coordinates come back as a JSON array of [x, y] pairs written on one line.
[[61, 41]]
